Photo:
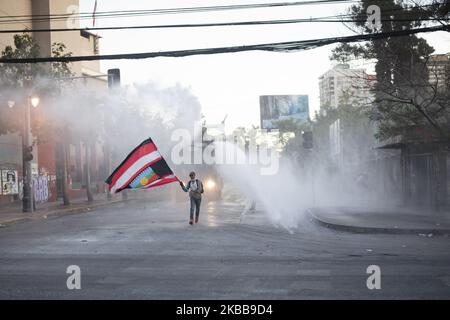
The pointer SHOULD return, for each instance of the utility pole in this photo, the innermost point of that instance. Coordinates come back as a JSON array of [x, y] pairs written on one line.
[[107, 165], [113, 79], [113, 84], [308, 146], [27, 156], [88, 171], [65, 194]]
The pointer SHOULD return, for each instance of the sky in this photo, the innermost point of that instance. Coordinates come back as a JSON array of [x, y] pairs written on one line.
[[226, 84]]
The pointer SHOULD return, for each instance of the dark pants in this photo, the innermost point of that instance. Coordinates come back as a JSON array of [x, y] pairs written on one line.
[[195, 204]]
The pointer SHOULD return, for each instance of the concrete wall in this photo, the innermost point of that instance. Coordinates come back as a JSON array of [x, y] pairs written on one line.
[[11, 151], [12, 8]]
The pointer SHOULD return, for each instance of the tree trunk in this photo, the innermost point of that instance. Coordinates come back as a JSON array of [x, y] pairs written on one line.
[[88, 172], [66, 199], [108, 167], [406, 175]]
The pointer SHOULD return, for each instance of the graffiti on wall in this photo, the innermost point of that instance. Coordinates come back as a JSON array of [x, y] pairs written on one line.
[[41, 190], [9, 182]]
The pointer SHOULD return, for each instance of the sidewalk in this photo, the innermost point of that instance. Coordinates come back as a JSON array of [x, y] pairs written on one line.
[[12, 213], [392, 220]]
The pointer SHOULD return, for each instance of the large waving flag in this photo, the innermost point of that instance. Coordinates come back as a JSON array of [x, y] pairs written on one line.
[[143, 168]]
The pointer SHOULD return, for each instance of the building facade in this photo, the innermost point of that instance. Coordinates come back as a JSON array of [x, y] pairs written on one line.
[[344, 83], [46, 161], [424, 156], [439, 71]]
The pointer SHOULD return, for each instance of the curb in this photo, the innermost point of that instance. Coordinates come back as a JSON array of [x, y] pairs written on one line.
[[70, 211], [61, 213], [374, 230], [14, 221]]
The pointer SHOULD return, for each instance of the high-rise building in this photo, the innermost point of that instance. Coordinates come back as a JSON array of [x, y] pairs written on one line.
[[343, 83], [439, 71]]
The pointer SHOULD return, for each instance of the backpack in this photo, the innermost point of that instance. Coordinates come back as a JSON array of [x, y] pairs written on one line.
[[196, 194]]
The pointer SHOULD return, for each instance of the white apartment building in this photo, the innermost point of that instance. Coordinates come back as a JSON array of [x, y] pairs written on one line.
[[439, 70], [339, 85], [341, 81]]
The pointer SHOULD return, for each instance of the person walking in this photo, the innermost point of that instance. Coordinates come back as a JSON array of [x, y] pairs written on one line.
[[195, 189]]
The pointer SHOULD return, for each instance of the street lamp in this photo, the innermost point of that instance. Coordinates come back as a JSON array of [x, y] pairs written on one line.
[[34, 101]]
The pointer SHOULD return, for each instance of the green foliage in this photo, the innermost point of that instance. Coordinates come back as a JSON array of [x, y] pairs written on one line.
[[404, 96], [291, 134], [356, 128], [60, 69], [13, 76], [19, 81]]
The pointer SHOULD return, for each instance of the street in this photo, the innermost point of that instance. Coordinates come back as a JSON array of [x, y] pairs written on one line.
[[147, 250]]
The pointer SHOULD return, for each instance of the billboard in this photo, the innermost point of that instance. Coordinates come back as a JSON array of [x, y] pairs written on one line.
[[9, 181], [282, 107]]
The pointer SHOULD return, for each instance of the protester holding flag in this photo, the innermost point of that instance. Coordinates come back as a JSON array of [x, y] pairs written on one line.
[[195, 189], [143, 168]]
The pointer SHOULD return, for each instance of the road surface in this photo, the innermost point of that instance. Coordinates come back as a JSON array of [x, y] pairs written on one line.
[[148, 251]]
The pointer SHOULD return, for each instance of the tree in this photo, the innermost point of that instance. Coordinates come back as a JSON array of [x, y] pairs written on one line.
[[291, 140], [19, 81], [404, 96], [411, 94], [321, 133], [80, 119], [356, 130]]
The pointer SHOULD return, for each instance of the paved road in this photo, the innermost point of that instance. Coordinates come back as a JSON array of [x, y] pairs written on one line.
[[148, 251]]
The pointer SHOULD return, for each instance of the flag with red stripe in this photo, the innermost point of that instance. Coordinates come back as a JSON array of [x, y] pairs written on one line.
[[143, 168]]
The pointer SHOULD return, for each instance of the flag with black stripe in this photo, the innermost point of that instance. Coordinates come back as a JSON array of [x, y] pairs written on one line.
[[143, 168]]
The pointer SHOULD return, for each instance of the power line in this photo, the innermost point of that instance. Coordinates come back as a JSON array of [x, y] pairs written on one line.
[[216, 24], [128, 13], [111, 14], [188, 9], [131, 13], [273, 47]]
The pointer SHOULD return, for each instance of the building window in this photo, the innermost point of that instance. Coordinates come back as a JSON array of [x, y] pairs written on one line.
[[85, 34]]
